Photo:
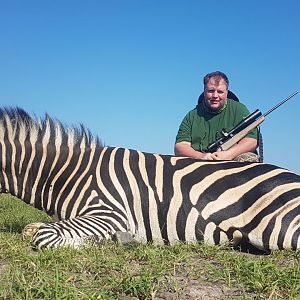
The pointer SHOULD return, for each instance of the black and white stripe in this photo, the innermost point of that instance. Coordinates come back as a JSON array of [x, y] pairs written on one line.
[[93, 191]]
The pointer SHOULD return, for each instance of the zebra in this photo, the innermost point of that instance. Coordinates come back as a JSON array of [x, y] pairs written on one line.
[[94, 191]]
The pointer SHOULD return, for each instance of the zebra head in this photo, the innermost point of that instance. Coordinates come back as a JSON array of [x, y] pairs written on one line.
[[27, 144]]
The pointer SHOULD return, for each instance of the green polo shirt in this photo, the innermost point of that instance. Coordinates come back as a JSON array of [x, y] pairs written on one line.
[[201, 127]]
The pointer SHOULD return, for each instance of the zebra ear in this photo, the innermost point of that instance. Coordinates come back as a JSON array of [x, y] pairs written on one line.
[[231, 95]]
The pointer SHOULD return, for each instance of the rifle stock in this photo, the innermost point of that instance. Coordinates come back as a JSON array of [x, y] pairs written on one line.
[[236, 138]]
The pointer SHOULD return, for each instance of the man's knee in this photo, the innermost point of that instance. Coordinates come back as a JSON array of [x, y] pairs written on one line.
[[248, 156]]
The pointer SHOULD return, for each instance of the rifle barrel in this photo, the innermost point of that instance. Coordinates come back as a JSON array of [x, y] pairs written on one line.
[[280, 103]]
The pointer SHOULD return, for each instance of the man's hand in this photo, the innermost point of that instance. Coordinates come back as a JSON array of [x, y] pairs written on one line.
[[223, 155], [208, 156]]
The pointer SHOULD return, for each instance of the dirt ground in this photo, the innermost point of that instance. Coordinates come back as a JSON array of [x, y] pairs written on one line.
[[199, 290]]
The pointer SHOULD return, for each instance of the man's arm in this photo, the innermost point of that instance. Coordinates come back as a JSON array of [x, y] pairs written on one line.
[[246, 144], [185, 149]]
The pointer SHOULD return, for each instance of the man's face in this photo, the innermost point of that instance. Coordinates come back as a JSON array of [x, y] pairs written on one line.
[[215, 93]]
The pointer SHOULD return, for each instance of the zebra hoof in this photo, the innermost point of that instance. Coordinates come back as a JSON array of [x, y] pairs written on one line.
[[31, 229], [123, 237]]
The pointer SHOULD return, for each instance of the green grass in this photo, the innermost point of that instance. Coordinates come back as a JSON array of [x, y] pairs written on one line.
[[113, 271]]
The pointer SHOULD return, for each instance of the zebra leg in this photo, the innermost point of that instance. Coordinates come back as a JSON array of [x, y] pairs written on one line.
[[76, 232]]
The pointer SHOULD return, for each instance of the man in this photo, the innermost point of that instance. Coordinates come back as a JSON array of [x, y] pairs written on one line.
[[213, 114]]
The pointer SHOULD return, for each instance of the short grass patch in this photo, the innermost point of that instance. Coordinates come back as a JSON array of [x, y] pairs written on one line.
[[113, 271]]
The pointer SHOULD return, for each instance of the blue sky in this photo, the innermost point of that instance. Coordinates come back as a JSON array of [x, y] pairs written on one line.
[[130, 70]]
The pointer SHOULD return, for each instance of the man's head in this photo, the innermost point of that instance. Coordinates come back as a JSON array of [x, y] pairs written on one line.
[[215, 90]]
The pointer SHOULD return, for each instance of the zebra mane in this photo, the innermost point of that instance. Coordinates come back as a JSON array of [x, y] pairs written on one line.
[[16, 123]]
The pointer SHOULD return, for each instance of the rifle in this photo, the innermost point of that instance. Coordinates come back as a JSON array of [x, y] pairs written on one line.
[[230, 138]]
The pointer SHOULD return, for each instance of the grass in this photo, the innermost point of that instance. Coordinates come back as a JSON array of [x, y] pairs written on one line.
[[113, 271]]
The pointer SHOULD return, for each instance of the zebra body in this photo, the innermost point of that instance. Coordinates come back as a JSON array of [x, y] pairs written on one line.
[[94, 191]]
